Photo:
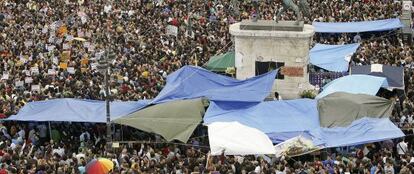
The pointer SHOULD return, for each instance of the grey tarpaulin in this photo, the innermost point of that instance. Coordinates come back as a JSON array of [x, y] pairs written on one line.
[[341, 109], [174, 120]]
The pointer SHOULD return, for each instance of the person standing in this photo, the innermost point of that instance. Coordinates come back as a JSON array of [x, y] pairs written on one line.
[[402, 147]]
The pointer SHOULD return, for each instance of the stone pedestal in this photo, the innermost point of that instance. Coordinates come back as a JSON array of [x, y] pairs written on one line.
[[268, 41]]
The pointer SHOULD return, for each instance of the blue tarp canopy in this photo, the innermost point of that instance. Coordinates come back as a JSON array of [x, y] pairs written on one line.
[[362, 131], [354, 84], [332, 57], [282, 120], [356, 27], [286, 118], [75, 110], [193, 82]]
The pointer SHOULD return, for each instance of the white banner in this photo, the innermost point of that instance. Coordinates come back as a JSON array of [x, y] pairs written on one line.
[[172, 30], [295, 146]]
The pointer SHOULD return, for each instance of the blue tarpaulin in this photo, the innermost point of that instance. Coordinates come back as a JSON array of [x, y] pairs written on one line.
[[354, 84], [75, 110], [362, 131], [356, 27], [332, 57], [193, 82], [287, 118], [282, 120]]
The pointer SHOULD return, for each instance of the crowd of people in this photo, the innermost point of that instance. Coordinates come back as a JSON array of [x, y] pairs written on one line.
[[52, 49]]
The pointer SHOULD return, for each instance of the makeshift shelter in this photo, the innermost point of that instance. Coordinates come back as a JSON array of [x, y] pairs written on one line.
[[357, 27], [362, 131], [193, 82], [355, 84], [75, 110], [393, 74], [233, 138], [220, 63], [341, 109], [175, 120], [280, 120], [284, 120], [332, 57]]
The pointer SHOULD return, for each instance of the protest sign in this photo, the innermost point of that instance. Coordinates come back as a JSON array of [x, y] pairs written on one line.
[[172, 30]]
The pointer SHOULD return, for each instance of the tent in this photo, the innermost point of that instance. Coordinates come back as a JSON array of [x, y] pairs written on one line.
[[356, 27], [233, 138], [193, 82], [175, 120], [332, 57], [394, 75], [221, 62], [75, 110], [341, 109], [355, 84]]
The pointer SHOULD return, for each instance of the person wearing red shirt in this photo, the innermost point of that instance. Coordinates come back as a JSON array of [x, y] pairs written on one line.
[[3, 169]]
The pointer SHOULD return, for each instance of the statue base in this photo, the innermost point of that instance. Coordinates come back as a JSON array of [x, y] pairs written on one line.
[[267, 46], [270, 25]]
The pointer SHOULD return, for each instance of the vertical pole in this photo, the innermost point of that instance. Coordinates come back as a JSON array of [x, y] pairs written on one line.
[[50, 131], [108, 111]]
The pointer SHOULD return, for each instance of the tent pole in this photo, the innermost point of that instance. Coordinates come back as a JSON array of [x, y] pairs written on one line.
[[50, 131]]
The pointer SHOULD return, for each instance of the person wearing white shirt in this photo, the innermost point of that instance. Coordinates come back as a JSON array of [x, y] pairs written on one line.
[[402, 147], [402, 119]]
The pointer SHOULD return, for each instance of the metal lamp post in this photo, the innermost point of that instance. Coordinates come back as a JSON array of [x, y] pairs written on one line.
[[105, 68]]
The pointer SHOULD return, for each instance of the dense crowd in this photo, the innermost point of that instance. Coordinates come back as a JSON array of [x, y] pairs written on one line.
[[67, 148], [50, 49], [43, 58]]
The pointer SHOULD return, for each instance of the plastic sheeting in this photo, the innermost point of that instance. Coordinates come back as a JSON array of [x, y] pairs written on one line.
[[341, 109], [286, 118], [355, 27], [332, 57], [354, 84], [394, 74], [193, 82], [75, 110], [233, 138], [221, 62], [174, 120], [362, 131], [283, 120]]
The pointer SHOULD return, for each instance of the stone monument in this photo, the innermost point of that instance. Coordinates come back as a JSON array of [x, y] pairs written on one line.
[[264, 45]]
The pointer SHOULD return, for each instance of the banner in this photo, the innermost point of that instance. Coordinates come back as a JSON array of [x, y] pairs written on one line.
[[63, 65], [65, 56], [172, 30], [295, 147]]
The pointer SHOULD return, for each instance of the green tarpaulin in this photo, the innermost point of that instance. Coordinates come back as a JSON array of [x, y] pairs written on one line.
[[341, 109], [174, 120], [221, 62]]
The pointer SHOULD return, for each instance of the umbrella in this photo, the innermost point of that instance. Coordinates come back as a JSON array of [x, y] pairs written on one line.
[[99, 166], [79, 39]]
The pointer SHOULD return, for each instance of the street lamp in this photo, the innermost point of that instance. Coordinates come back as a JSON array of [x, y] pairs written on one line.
[[104, 67]]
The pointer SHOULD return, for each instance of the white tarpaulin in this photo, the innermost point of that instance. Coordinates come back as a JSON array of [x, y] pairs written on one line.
[[233, 138]]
